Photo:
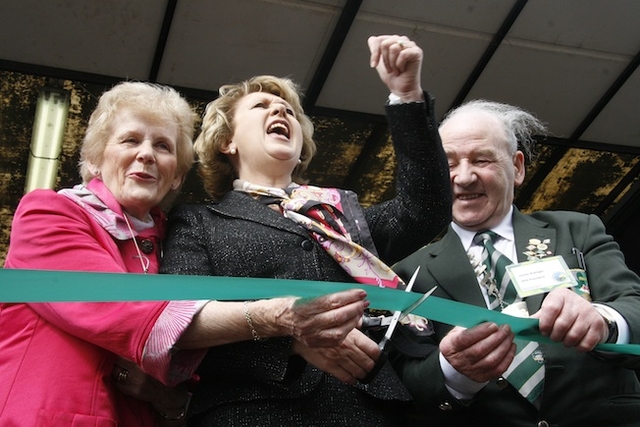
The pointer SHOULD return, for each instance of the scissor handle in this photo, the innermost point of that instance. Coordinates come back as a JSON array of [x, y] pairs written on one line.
[[376, 368]]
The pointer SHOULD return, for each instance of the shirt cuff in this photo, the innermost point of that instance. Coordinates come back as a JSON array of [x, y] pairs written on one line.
[[460, 387], [396, 100], [161, 358], [621, 323]]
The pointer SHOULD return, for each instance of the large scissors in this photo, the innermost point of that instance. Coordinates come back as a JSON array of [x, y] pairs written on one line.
[[395, 319]]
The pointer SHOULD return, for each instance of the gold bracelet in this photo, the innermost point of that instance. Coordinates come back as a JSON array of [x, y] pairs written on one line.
[[247, 316]]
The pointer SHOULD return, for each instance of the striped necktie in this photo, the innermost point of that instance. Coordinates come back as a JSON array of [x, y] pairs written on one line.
[[526, 372]]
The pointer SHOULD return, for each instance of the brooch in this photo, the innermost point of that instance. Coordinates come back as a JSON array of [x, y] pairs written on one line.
[[537, 249]]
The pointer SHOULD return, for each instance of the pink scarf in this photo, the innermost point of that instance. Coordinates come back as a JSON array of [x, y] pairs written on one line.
[[319, 211]]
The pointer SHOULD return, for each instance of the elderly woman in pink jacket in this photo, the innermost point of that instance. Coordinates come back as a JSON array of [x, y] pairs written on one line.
[[58, 360], [78, 364]]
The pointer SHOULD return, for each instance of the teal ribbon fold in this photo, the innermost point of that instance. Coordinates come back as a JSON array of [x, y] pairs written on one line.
[[31, 286]]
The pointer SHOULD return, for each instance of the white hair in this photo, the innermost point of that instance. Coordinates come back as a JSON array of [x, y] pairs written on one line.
[[520, 126]]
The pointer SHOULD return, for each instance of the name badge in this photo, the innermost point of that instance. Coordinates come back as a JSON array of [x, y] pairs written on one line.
[[540, 276]]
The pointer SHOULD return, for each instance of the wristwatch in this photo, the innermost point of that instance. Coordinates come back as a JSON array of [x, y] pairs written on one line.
[[611, 325]]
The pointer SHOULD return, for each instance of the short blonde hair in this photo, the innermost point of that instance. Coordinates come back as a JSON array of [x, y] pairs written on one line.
[[214, 167], [162, 102]]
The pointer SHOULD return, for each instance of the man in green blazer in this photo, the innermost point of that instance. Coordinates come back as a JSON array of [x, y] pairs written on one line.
[[463, 381]]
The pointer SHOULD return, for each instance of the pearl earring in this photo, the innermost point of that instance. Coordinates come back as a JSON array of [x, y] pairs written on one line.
[[299, 161], [232, 150]]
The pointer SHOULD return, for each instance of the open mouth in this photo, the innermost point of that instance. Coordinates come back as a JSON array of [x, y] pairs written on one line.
[[279, 128], [468, 196]]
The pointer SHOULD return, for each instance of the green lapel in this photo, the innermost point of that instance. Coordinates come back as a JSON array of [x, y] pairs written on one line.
[[526, 228], [452, 270]]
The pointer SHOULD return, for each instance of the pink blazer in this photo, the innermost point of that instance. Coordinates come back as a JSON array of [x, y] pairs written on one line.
[[56, 359]]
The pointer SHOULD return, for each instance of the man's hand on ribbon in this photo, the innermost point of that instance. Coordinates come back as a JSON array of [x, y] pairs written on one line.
[[481, 353]]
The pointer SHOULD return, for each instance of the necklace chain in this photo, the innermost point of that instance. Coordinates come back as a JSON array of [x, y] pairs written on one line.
[[144, 261]]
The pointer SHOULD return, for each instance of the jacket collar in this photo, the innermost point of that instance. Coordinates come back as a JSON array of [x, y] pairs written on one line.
[[453, 272], [242, 206], [96, 199]]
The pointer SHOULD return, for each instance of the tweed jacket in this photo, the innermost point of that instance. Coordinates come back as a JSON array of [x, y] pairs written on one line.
[[580, 389], [239, 236]]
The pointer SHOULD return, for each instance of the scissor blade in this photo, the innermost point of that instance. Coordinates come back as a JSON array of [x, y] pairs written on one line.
[[397, 314], [412, 280], [417, 302]]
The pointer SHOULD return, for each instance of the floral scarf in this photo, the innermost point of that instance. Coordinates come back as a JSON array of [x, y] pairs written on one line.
[[319, 210]]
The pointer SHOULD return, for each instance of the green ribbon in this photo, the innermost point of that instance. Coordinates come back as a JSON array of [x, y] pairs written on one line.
[[74, 286]]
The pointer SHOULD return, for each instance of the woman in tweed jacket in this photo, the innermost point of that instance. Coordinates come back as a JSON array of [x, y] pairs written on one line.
[[254, 146]]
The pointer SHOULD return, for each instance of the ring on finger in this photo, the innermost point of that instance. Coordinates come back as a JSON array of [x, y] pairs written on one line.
[[123, 376], [402, 44]]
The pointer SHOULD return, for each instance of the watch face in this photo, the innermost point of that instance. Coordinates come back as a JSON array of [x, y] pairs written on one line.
[[613, 329]]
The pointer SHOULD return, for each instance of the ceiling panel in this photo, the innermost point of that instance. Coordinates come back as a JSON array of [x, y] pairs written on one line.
[[441, 15], [559, 88], [619, 121], [599, 25], [113, 38], [229, 41], [451, 49]]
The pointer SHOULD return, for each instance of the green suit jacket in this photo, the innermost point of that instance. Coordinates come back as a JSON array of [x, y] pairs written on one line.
[[580, 389]]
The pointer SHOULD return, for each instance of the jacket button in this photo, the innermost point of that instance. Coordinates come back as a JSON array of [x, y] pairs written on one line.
[[543, 423], [445, 406], [146, 246], [501, 383], [307, 245]]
